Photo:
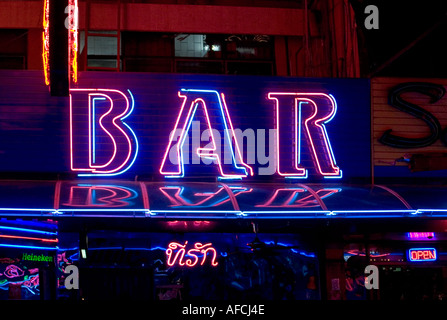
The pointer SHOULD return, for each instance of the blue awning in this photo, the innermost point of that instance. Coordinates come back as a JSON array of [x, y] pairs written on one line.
[[218, 200]]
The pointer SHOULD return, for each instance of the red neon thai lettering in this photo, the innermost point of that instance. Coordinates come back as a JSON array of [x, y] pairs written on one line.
[[99, 196], [176, 254], [101, 143], [310, 112], [214, 106]]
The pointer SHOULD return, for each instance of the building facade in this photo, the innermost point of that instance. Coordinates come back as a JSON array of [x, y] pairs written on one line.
[[214, 150]]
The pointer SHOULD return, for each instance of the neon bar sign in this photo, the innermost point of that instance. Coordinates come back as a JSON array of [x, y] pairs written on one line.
[[107, 110], [177, 255], [311, 112], [46, 41], [103, 144], [213, 104], [422, 254]]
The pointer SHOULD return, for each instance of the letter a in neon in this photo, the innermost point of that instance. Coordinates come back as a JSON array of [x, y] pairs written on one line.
[[214, 107], [310, 112], [101, 143]]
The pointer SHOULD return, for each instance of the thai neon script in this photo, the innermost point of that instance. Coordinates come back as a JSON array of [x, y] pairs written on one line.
[[422, 254], [177, 254], [421, 235], [112, 146]]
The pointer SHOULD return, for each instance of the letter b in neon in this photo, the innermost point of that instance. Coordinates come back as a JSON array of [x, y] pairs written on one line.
[[372, 278], [101, 143]]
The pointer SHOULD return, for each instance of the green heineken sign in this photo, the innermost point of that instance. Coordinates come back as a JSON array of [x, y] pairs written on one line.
[[33, 257]]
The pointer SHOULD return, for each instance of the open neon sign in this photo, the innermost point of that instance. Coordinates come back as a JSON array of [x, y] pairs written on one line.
[[422, 254], [102, 143]]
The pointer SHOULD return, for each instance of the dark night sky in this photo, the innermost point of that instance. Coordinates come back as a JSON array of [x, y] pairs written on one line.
[[420, 26]]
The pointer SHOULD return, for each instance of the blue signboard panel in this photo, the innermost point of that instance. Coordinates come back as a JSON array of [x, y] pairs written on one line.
[[242, 127]]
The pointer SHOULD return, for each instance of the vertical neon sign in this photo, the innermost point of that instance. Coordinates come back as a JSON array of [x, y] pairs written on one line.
[[72, 24], [421, 235], [46, 41], [310, 112], [176, 253], [103, 144], [214, 105]]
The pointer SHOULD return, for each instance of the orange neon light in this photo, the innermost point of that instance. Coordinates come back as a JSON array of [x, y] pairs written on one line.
[[220, 197]]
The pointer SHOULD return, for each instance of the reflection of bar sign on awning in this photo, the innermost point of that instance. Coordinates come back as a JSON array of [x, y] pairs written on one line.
[[422, 254]]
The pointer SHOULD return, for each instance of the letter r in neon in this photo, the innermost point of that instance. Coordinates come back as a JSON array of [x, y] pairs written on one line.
[[310, 112], [101, 143]]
